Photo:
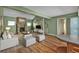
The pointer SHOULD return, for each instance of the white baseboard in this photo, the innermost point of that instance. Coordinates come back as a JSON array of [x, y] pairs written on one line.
[[52, 34]]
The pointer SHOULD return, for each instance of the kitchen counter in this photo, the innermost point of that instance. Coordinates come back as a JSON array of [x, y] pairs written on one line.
[[69, 38]]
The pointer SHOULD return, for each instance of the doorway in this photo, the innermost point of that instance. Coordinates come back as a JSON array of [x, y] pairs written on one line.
[[61, 26]]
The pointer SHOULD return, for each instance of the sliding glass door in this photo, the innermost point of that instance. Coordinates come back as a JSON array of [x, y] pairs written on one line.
[[74, 26]]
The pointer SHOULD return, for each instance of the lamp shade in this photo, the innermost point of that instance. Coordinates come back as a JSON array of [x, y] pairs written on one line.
[[7, 28]]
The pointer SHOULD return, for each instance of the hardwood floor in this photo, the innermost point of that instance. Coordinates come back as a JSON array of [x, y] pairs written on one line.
[[50, 45]]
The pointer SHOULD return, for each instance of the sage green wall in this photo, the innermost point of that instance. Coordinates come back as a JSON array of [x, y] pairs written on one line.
[[6, 19], [51, 26], [1, 11], [52, 23]]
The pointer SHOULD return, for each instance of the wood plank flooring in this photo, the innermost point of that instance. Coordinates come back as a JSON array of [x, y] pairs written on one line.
[[46, 46]]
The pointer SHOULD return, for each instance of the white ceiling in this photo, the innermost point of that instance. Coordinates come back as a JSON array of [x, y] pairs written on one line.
[[53, 10], [14, 13]]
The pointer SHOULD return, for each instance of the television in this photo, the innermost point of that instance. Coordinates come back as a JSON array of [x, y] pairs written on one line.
[[38, 27]]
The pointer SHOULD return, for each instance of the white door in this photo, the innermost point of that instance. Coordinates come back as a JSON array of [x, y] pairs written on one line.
[[74, 26]]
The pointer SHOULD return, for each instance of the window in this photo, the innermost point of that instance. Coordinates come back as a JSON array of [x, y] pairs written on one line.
[[28, 24], [11, 23]]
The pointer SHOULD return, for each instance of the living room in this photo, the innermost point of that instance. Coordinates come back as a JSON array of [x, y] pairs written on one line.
[[38, 29]]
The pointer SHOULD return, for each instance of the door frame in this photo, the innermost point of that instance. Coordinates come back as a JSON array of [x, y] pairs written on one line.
[[64, 28]]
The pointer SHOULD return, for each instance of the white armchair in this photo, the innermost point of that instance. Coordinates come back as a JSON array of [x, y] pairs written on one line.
[[29, 40], [41, 37]]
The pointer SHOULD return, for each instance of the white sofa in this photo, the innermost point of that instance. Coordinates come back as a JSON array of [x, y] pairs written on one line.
[[29, 40], [9, 42]]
